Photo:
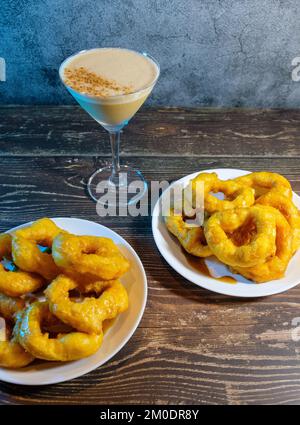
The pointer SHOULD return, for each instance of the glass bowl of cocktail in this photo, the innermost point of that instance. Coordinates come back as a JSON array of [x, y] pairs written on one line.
[[111, 84]]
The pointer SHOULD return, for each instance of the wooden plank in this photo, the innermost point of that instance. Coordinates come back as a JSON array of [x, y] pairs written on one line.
[[35, 187], [67, 130]]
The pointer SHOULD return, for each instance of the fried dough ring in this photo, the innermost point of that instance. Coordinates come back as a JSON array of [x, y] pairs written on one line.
[[12, 354], [87, 283], [10, 306], [224, 229], [288, 210], [5, 245], [192, 239], [15, 283], [263, 182], [26, 253], [238, 196], [94, 255], [65, 347], [275, 267], [89, 314], [92, 286]]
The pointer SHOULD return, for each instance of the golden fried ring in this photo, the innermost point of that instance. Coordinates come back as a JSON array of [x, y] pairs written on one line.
[[192, 239], [236, 195], [89, 314], [93, 286], [26, 253], [88, 283], [275, 267], [263, 182], [223, 232], [12, 354], [65, 347], [15, 283], [94, 255], [5, 246], [288, 210], [9, 306]]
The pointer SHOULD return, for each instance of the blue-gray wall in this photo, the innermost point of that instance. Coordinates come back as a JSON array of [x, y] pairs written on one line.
[[212, 52]]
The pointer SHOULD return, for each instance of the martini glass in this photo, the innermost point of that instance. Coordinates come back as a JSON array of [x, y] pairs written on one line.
[[114, 113]]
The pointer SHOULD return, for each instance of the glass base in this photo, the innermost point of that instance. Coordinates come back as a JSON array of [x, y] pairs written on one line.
[[126, 187]]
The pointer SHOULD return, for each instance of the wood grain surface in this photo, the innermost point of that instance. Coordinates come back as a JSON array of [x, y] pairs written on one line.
[[192, 346]]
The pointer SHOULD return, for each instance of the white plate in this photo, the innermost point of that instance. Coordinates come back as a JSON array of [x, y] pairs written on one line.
[[170, 249], [117, 335]]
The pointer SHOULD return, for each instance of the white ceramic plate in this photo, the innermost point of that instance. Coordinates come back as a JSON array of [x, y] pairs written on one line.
[[117, 335], [170, 249]]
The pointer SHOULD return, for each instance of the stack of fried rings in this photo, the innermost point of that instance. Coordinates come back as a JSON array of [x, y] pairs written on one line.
[[255, 229], [80, 276]]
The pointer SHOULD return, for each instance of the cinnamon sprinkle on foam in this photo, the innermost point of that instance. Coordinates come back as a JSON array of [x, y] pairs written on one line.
[[84, 81]]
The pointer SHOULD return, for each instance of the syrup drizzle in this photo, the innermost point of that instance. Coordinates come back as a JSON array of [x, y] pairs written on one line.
[[199, 265], [107, 324]]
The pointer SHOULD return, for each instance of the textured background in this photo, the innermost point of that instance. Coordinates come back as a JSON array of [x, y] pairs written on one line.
[[212, 52]]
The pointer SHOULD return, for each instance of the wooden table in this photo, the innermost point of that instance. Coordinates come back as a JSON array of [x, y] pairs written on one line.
[[192, 346]]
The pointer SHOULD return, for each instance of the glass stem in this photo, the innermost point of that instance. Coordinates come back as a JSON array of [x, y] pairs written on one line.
[[115, 144]]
